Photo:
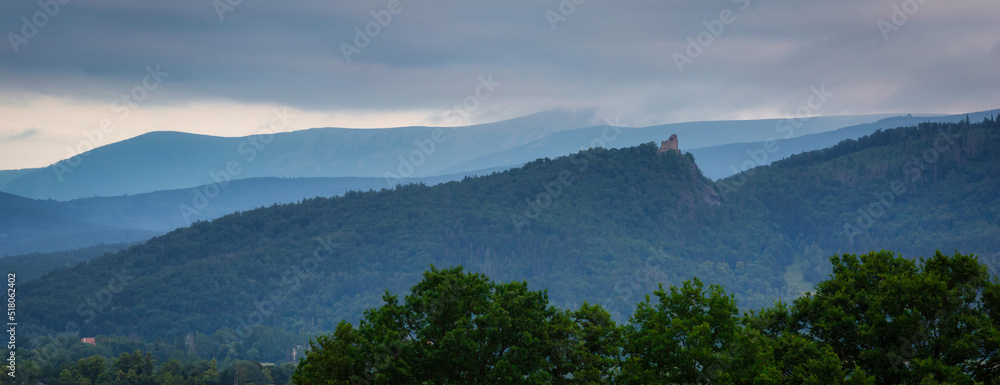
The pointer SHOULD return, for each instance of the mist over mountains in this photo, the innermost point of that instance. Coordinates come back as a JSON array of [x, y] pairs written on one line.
[[249, 270], [133, 190], [173, 160], [600, 225], [31, 225], [457, 192]]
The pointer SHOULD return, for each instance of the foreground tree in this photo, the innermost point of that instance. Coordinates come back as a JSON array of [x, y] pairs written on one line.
[[879, 319], [904, 323], [683, 336], [135, 368], [586, 346], [691, 335], [462, 328]]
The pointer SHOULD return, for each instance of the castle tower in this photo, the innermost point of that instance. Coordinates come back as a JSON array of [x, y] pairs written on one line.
[[669, 145]]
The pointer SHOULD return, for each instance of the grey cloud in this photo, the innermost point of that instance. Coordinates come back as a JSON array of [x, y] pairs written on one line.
[[607, 54]]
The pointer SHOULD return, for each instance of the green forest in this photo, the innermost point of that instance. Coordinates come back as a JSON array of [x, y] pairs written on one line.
[[602, 227], [879, 319], [34, 265]]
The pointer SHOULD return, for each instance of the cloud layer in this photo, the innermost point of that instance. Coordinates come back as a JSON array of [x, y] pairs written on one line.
[[414, 60]]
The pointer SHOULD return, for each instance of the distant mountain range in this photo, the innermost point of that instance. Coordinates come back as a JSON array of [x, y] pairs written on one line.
[[600, 225], [30, 226], [160, 161], [34, 265], [721, 161], [142, 187]]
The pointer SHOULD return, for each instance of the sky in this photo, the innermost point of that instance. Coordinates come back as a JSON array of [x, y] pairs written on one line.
[[75, 74]]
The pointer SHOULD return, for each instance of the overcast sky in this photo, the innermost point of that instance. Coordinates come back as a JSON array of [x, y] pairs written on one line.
[[224, 66]]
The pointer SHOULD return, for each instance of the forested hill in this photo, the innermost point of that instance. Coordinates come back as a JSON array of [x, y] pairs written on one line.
[[601, 225], [598, 224], [911, 190]]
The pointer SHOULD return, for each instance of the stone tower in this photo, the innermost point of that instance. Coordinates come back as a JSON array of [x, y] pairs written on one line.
[[669, 145]]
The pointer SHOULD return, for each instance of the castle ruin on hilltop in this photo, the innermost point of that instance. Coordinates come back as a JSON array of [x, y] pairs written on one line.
[[669, 145]]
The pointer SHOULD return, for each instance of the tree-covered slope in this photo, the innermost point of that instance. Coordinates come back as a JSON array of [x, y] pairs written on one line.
[[592, 225], [28, 225], [600, 225], [34, 265], [33, 226], [722, 161], [934, 186]]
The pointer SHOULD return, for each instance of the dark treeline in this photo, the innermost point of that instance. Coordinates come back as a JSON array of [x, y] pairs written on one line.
[[67, 360], [141, 368], [34, 265], [879, 319]]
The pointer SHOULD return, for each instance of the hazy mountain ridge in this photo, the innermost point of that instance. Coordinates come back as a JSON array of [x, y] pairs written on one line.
[[28, 225], [34, 265], [728, 159], [721, 147], [182, 160], [936, 179], [163, 161], [691, 134], [48, 226], [160, 161], [580, 225], [386, 239], [172, 160]]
